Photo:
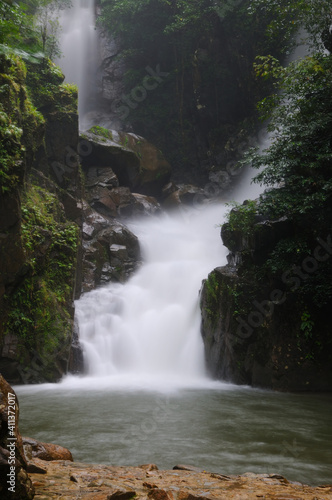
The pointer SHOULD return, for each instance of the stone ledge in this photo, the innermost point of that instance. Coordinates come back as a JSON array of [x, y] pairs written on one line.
[[70, 480]]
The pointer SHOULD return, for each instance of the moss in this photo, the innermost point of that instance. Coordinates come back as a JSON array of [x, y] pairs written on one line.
[[101, 131], [21, 125], [47, 90], [39, 309]]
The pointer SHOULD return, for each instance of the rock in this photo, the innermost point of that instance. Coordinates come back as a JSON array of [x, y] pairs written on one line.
[[258, 244], [186, 194], [187, 467], [102, 482], [149, 467], [110, 251], [100, 199], [137, 163], [121, 495], [158, 494], [76, 359], [46, 451], [103, 177], [35, 469], [13, 465], [140, 205]]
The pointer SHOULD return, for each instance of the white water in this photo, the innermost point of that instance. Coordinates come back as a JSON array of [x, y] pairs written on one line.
[[147, 331], [78, 44]]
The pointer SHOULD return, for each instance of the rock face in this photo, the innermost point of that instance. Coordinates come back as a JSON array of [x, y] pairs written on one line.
[[40, 220], [14, 480], [102, 482], [254, 330], [137, 163]]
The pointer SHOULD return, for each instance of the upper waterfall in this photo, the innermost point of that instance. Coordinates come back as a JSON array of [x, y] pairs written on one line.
[[78, 45]]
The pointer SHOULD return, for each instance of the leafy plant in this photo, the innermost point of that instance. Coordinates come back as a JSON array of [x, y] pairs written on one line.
[[241, 217]]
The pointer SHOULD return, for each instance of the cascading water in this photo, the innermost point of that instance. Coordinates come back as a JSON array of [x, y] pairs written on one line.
[[148, 330], [78, 45]]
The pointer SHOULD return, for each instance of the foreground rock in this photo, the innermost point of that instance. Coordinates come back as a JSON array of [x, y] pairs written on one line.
[[101, 482], [13, 466], [45, 451]]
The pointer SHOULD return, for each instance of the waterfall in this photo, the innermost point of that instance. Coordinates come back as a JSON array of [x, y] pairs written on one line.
[[148, 329], [78, 44]]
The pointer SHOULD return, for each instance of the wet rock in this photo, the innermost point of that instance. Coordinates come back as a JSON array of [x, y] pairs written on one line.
[[140, 205], [13, 465], [187, 195], [76, 359], [46, 451], [111, 251]]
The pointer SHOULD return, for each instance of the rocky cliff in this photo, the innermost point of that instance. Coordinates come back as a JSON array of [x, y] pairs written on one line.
[[259, 327], [40, 220]]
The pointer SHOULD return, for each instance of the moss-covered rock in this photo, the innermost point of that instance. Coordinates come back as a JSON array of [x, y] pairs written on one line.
[[261, 328], [39, 220]]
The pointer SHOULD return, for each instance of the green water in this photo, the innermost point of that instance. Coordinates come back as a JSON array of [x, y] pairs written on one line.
[[221, 428]]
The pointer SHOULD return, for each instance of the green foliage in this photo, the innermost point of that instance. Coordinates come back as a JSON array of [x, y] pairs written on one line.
[[299, 160], [241, 217], [289, 16], [31, 28], [46, 87], [103, 132], [307, 324], [39, 306], [207, 48], [20, 123]]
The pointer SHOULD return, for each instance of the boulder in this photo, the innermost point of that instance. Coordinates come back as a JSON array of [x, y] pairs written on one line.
[[15, 484], [256, 245], [45, 451], [137, 163]]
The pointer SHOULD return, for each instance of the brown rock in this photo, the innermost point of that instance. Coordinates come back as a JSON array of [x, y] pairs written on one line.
[[13, 466], [187, 467], [183, 495], [101, 482], [157, 494], [121, 495], [47, 451], [148, 467]]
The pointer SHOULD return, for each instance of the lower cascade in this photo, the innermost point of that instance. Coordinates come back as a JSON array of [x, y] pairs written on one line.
[[148, 329]]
